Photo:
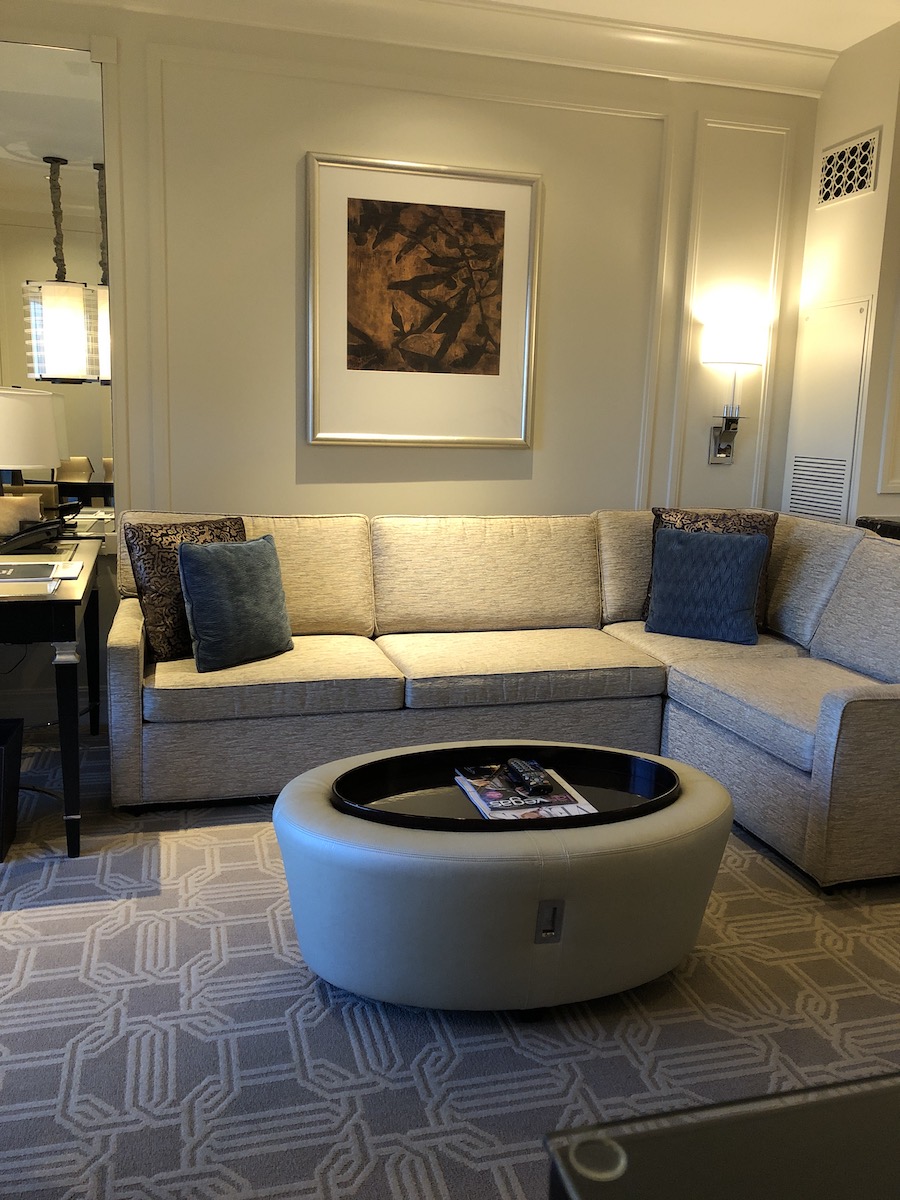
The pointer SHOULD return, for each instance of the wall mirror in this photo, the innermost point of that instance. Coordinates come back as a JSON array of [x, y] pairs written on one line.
[[50, 106]]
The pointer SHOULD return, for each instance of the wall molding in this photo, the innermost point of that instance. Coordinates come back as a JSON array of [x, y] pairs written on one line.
[[528, 34]]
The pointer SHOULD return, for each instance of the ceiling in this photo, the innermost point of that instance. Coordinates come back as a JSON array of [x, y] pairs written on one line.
[[822, 24]]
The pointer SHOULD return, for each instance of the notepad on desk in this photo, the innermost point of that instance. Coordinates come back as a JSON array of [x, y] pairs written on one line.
[[38, 572]]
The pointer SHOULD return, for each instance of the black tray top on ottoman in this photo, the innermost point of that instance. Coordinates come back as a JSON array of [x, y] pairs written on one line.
[[418, 790], [418, 907]]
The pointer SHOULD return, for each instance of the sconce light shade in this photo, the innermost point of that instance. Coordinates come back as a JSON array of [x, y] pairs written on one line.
[[725, 343], [61, 332], [27, 430]]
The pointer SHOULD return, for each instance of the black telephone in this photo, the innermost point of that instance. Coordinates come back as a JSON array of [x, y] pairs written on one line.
[[33, 535]]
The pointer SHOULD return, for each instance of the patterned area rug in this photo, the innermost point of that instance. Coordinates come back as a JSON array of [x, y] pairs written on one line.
[[162, 1039]]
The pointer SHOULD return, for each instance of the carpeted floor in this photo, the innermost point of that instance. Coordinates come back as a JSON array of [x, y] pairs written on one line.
[[162, 1039]]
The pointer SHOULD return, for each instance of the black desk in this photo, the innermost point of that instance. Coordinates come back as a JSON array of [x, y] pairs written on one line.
[[57, 619]]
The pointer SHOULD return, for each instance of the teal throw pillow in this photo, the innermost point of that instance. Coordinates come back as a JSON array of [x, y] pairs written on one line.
[[234, 600], [704, 585]]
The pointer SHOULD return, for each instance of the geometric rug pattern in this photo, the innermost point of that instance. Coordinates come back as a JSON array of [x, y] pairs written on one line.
[[161, 1037]]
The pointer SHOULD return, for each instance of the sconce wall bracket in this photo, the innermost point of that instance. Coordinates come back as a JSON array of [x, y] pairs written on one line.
[[721, 441]]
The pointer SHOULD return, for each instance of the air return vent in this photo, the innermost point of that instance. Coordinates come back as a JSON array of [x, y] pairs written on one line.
[[818, 488], [848, 169]]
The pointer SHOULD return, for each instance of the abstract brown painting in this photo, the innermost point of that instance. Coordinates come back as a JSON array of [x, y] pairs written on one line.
[[424, 287]]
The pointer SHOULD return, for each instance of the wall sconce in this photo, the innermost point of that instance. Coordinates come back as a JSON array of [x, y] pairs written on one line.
[[735, 347], [62, 319]]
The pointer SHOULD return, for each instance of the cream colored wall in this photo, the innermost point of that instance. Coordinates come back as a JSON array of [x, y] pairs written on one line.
[[853, 254], [207, 127]]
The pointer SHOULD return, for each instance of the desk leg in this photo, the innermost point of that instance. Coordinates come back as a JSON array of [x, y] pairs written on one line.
[[66, 665], [92, 650]]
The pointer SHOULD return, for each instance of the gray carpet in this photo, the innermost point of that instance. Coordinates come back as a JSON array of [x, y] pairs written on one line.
[[162, 1039]]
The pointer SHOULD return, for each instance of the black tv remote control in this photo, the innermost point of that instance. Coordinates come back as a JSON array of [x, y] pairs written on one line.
[[529, 776]]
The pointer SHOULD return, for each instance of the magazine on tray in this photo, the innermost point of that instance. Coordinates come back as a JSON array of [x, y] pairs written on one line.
[[496, 797]]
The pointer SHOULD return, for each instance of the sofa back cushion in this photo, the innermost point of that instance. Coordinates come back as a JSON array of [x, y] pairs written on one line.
[[807, 560], [326, 567], [859, 626], [626, 558], [460, 574]]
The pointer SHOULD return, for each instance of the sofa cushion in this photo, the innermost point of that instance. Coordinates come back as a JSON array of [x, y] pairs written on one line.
[[626, 551], [772, 702], [732, 521], [675, 650], [447, 670], [859, 626], [704, 585], [324, 674], [807, 559], [326, 566], [153, 550], [461, 574], [234, 602]]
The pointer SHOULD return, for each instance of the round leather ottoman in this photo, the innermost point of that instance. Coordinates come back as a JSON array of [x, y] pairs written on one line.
[[441, 919]]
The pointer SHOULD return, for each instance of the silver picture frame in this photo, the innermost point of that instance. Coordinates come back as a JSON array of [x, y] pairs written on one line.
[[422, 286]]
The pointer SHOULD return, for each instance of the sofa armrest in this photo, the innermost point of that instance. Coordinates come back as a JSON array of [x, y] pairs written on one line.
[[126, 649], [854, 820]]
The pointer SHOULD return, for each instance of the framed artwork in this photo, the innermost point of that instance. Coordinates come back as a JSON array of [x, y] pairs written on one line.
[[422, 283]]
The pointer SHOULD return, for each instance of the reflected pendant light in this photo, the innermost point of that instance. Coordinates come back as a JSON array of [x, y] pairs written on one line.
[[61, 317]]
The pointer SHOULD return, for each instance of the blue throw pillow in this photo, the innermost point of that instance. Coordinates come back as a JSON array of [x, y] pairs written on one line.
[[234, 601], [704, 585]]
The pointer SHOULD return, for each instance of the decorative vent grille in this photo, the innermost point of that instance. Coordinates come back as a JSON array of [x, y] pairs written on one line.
[[848, 169], [817, 488]]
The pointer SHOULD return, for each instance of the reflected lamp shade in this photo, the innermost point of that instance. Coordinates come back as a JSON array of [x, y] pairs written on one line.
[[61, 332], [27, 430], [104, 365]]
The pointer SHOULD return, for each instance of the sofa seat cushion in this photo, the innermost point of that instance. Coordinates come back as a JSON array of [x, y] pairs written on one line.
[[673, 650], [772, 702], [326, 673], [522, 666]]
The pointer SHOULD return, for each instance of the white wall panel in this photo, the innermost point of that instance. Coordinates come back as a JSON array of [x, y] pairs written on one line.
[[740, 194]]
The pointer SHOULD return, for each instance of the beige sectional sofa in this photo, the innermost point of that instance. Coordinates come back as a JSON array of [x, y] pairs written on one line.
[[425, 629]]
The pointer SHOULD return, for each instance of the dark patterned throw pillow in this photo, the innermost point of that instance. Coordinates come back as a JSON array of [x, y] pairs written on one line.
[[730, 520], [153, 550]]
